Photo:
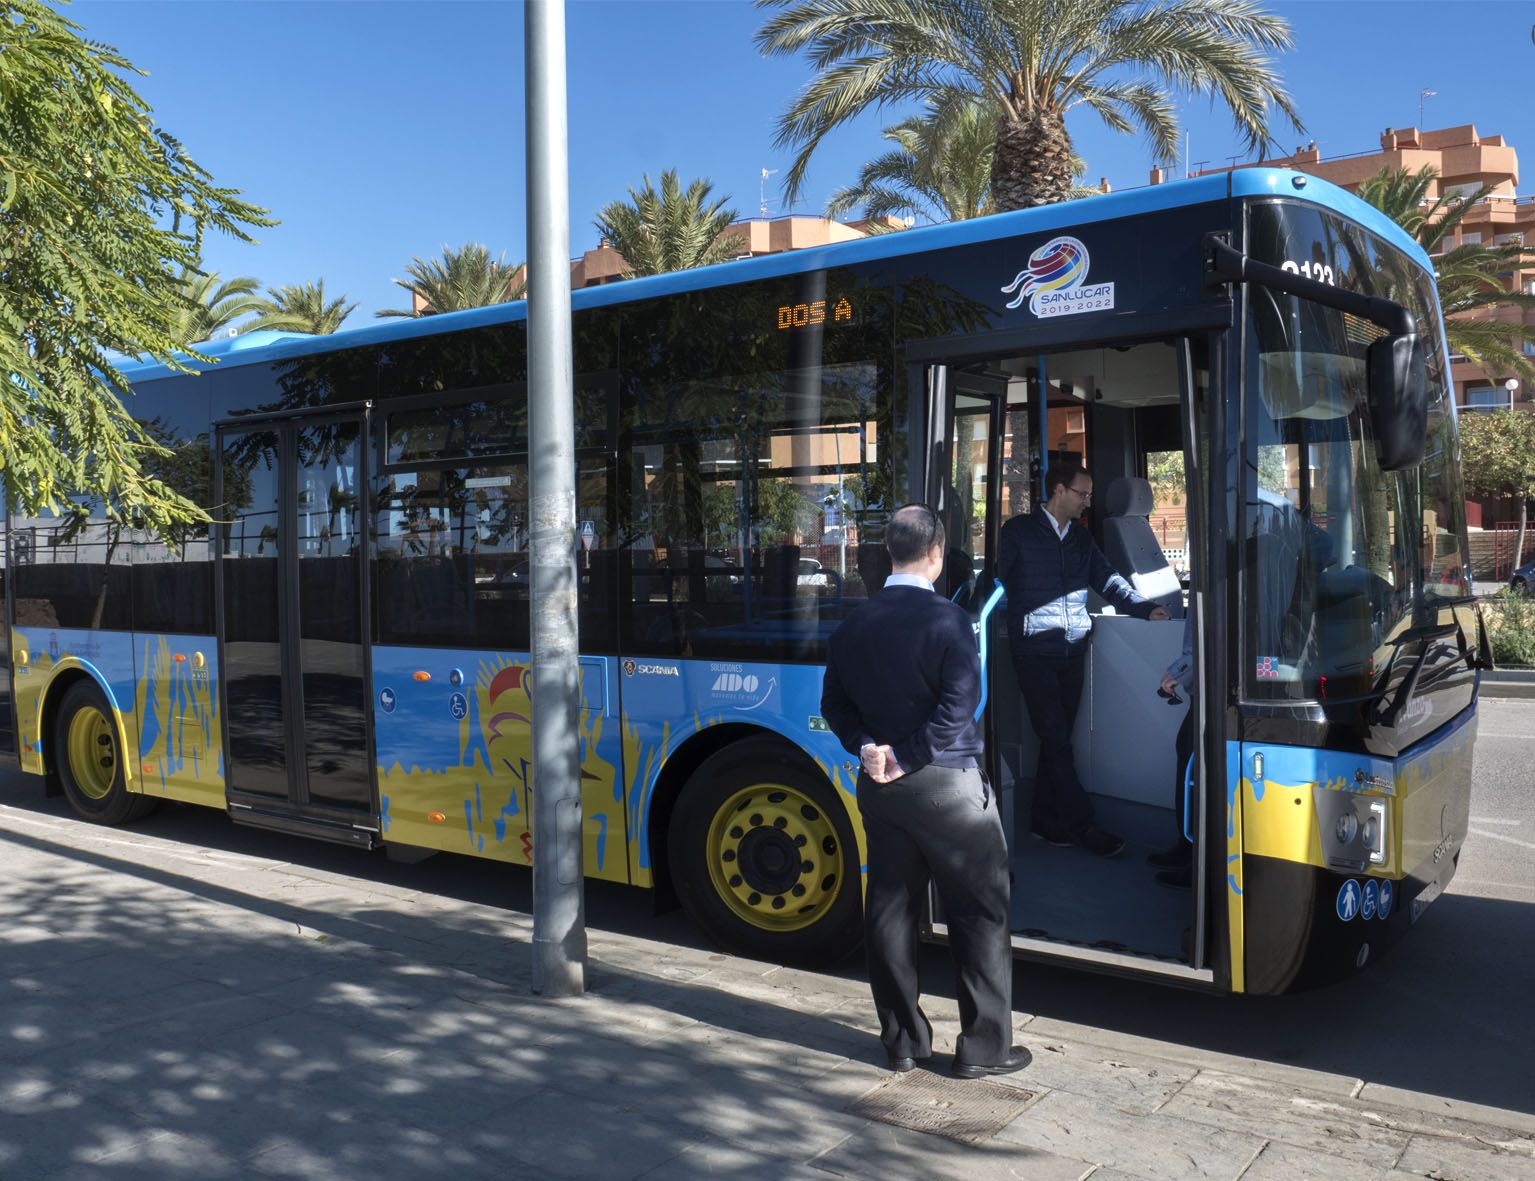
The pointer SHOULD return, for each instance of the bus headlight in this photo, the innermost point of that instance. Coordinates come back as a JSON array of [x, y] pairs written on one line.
[[1357, 824]]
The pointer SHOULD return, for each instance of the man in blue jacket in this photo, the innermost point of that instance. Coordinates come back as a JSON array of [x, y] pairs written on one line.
[[1048, 562], [903, 683]]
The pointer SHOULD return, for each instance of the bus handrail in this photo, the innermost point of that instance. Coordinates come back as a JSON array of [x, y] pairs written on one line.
[[997, 595], [1188, 790]]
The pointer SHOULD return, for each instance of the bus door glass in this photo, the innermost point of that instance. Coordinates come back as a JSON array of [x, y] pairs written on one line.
[[291, 565]]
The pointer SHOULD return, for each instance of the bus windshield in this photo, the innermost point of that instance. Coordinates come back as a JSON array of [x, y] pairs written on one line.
[[1341, 558]]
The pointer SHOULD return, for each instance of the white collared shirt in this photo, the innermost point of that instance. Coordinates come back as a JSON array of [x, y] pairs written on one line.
[[1060, 530], [915, 580]]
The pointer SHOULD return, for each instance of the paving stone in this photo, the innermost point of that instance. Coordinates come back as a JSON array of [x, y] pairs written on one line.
[[880, 1152], [113, 976], [1285, 1162], [566, 1136], [718, 1159], [1523, 1121], [224, 1012], [1316, 1080], [110, 1143], [32, 1027], [1128, 1082], [1449, 1159], [365, 1152], [153, 1156], [785, 1106], [1159, 1147], [1262, 1108]]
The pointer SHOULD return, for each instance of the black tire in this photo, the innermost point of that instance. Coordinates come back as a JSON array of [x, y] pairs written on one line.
[[763, 856], [1520, 586], [90, 764]]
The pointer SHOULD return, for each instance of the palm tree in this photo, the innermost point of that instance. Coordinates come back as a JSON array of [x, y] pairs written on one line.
[[301, 307], [464, 278], [211, 305], [672, 230], [1472, 277], [939, 171], [1032, 61]]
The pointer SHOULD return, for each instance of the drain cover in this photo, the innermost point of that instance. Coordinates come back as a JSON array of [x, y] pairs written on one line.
[[967, 1110]]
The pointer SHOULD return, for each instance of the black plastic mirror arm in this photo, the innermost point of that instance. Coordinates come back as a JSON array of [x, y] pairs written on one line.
[[1228, 264]]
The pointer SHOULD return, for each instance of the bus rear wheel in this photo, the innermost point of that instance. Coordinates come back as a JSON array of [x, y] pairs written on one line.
[[763, 857], [89, 759]]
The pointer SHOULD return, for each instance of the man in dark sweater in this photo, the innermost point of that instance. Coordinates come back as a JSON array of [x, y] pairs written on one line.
[[1047, 562], [903, 684]]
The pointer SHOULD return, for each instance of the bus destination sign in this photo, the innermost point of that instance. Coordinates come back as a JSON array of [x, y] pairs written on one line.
[[806, 315]]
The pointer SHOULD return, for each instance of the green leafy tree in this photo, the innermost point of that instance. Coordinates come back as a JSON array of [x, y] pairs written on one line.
[[1473, 278], [1031, 61], [101, 214], [1498, 458], [783, 511], [301, 307], [212, 305], [939, 171], [1164, 472], [464, 278], [670, 230]]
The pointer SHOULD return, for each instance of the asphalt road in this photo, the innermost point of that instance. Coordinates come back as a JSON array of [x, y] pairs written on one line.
[[1446, 1013]]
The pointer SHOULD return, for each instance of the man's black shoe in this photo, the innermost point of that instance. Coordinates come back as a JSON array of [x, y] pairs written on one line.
[[1181, 878], [1175, 857], [1016, 1060], [1059, 840], [904, 1065], [1104, 844]]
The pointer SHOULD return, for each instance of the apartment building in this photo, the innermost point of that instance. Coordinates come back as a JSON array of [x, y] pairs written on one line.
[[1465, 161]]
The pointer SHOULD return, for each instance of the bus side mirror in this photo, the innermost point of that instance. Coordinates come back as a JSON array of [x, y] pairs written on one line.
[[1398, 385]]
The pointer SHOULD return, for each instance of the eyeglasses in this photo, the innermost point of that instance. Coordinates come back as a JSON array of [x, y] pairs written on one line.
[[1087, 495]]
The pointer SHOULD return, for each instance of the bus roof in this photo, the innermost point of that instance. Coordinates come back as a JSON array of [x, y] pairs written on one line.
[[259, 347]]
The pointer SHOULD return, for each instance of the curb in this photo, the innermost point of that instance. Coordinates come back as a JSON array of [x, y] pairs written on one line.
[[1516, 683]]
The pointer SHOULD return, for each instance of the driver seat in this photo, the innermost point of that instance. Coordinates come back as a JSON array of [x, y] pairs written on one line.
[[1132, 548]]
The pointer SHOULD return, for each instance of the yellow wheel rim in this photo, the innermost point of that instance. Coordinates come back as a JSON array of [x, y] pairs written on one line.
[[92, 752], [775, 857]]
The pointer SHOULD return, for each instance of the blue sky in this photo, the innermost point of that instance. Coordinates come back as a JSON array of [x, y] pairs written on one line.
[[382, 131]]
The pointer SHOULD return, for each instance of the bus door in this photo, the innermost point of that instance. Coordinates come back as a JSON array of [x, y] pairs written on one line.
[[292, 611], [994, 428]]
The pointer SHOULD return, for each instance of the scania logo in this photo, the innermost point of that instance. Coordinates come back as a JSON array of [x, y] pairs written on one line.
[[631, 669]]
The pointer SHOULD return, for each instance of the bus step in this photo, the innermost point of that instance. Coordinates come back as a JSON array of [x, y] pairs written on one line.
[[334, 831]]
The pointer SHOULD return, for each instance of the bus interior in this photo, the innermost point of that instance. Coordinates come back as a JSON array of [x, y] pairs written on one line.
[[1119, 410]]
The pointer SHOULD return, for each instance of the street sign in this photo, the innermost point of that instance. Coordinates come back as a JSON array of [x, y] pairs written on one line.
[[588, 535]]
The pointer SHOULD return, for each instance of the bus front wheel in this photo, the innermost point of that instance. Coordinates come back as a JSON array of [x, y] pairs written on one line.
[[763, 857], [89, 759]]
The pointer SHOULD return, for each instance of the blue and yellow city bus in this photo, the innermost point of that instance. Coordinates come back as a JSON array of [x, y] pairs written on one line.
[[343, 654]]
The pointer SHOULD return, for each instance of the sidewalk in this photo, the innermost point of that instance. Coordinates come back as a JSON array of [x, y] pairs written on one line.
[[171, 1011]]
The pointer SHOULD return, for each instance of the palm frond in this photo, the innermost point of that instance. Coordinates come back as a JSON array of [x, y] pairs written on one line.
[[670, 229], [301, 307], [1028, 61], [464, 278]]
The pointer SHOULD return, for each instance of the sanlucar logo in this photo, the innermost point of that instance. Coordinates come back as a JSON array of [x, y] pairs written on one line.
[[1052, 282]]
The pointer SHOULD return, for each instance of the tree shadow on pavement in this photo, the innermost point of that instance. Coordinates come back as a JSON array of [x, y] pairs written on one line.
[[279, 1021]]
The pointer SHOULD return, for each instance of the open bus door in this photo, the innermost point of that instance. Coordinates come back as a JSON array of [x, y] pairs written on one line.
[[992, 429], [291, 596]]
